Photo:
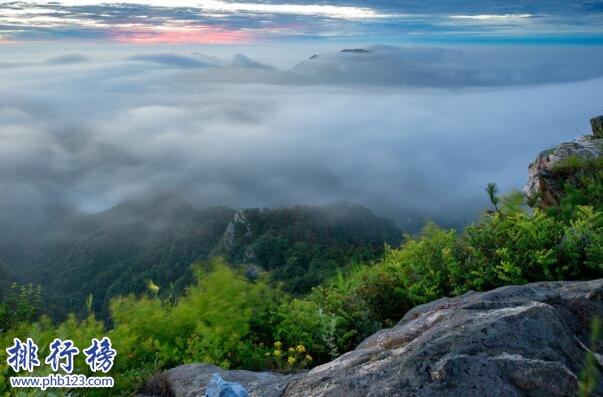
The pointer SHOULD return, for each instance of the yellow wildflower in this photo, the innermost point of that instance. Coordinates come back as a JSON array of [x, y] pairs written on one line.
[[277, 344], [308, 358], [276, 353], [291, 360], [291, 350], [300, 349]]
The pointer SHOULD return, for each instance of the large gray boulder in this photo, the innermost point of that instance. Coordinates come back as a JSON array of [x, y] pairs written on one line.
[[514, 341], [529, 340]]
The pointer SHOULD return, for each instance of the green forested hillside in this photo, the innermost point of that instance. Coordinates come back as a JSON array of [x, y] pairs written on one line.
[[119, 251], [303, 246], [5, 276]]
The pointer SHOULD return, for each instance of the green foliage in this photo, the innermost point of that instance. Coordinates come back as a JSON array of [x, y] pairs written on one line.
[[22, 303], [513, 202], [509, 246], [303, 246], [119, 251], [427, 264], [334, 319], [590, 376], [214, 322], [304, 322], [521, 248], [583, 186], [492, 191], [573, 164]]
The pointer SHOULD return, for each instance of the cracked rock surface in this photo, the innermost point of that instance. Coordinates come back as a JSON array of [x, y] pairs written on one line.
[[528, 340]]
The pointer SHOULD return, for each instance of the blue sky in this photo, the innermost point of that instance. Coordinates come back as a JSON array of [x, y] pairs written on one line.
[[248, 21]]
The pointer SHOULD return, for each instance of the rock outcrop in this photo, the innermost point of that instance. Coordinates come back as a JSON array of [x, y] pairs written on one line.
[[529, 340], [239, 224], [597, 124], [545, 184]]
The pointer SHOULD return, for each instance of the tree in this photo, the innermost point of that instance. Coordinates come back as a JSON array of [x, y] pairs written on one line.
[[492, 191]]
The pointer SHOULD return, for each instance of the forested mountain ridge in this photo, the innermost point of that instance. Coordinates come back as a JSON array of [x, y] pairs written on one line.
[[303, 245], [118, 251]]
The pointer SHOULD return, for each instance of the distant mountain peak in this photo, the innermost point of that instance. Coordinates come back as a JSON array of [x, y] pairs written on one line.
[[160, 208], [175, 60], [356, 50], [162, 201], [243, 61]]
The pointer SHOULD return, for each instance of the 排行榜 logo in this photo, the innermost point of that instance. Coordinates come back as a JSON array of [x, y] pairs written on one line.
[[24, 356]]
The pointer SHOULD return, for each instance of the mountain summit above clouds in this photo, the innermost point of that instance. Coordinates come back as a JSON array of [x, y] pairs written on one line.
[[443, 67], [387, 65]]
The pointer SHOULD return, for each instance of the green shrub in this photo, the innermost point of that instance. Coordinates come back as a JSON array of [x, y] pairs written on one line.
[[583, 187], [590, 376], [523, 248], [212, 323], [335, 318]]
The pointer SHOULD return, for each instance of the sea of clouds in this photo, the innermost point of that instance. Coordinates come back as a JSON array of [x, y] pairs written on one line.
[[409, 132]]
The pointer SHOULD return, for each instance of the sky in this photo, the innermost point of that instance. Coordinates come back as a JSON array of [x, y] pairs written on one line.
[[407, 107], [237, 22]]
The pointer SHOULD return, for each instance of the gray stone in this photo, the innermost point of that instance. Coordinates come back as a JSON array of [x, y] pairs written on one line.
[[238, 225], [513, 341], [528, 340], [597, 124]]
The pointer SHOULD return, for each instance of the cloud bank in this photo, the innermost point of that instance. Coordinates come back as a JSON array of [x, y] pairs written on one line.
[[445, 67], [87, 131]]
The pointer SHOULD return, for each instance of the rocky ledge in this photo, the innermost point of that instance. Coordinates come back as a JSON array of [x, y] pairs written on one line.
[[529, 340], [545, 184]]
